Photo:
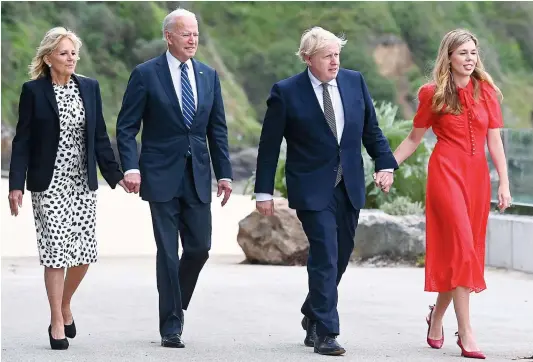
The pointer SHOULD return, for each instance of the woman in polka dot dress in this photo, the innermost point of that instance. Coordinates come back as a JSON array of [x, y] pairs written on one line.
[[60, 137]]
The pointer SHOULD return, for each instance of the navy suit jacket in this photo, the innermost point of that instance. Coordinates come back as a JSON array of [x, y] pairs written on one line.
[[150, 96], [37, 136], [313, 153]]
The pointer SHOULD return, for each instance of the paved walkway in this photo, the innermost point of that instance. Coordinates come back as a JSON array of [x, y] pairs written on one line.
[[251, 313], [239, 312]]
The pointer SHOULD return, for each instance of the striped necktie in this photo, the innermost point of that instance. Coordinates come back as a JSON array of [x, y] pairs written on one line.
[[330, 118], [187, 98]]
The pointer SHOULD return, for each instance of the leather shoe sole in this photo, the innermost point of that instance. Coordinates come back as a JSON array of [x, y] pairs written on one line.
[[337, 352], [173, 342]]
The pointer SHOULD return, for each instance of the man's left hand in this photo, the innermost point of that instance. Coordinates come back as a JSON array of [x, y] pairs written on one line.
[[224, 186], [384, 180]]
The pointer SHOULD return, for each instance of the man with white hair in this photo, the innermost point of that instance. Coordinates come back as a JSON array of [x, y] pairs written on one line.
[[180, 104], [324, 113]]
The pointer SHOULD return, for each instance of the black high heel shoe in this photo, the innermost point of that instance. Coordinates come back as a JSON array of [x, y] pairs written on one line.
[[70, 330], [57, 343]]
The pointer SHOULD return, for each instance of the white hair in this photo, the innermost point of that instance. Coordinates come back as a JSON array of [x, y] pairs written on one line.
[[315, 39], [171, 19]]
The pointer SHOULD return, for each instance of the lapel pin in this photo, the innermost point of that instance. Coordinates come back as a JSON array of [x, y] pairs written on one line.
[[201, 72]]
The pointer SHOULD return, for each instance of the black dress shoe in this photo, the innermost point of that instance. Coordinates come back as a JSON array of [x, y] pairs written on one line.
[[57, 343], [172, 341], [329, 346], [70, 330], [310, 327]]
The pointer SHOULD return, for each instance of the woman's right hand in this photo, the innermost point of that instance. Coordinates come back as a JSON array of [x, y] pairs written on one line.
[[15, 201]]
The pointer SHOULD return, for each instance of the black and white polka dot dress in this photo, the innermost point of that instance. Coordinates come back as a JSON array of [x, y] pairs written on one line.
[[65, 213]]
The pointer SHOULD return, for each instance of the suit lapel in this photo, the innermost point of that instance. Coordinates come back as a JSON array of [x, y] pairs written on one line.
[[348, 99], [310, 100], [308, 95], [85, 94], [50, 95], [201, 87], [163, 72]]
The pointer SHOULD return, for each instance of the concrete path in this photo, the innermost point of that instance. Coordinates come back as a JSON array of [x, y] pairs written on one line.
[[239, 312], [251, 313]]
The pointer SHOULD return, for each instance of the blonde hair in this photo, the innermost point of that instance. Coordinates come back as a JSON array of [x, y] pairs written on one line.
[[446, 90], [315, 39], [51, 40]]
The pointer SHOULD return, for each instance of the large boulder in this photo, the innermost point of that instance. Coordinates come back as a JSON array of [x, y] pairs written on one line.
[[383, 236], [280, 239]]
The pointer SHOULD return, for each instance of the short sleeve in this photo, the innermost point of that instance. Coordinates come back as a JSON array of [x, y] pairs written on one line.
[[424, 114], [494, 109]]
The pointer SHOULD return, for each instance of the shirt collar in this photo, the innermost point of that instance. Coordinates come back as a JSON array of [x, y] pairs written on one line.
[[173, 62], [316, 83]]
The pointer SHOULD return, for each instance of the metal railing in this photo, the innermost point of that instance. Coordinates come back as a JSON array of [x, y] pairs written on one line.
[[518, 146]]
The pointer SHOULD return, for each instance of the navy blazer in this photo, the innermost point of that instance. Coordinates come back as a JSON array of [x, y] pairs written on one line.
[[313, 153], [151, 97], [36, 140]]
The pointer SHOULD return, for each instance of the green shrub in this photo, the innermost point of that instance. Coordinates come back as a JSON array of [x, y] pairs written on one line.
[[410, 178], [402, 205]]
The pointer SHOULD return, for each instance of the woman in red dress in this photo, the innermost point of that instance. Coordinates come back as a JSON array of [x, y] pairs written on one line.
[[461, 104]]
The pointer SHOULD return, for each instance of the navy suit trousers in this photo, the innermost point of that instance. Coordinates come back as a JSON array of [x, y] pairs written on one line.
[[176, 279], [331, 234]]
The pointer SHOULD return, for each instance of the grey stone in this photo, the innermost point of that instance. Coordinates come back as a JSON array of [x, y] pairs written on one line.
[[280, 239], [387, 236], [243, 163]]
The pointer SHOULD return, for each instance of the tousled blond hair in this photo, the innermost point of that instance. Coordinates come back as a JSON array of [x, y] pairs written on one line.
[[315, 39], [51, 40], [446, 91]]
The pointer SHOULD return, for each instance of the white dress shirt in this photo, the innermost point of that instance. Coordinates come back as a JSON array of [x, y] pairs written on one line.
[[175, 72], [174, 66], [336, 101]]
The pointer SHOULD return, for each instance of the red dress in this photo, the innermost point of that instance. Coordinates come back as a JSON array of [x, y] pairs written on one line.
[[458, 188]]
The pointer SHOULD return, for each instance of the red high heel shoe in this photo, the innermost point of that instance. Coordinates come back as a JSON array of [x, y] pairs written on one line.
[[434, 343], [467, 354]]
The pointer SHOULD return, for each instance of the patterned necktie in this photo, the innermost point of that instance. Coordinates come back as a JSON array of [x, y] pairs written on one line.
[[187, 98], [330, 118]]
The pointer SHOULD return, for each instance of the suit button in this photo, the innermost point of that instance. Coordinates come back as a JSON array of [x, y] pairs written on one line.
[[335, 169]]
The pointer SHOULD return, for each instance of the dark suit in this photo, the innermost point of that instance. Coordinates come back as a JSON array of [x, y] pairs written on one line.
[[329, 214], [177, 186], [37, 136]]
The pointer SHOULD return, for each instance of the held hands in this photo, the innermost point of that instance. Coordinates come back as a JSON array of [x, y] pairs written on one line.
[[123, 185], [265, 208], [131, 182], [383, 180], [504, 197], [224, 186], [15, 201]]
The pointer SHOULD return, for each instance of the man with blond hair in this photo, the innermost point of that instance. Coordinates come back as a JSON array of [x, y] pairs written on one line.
[[180, 104], [324, 113]]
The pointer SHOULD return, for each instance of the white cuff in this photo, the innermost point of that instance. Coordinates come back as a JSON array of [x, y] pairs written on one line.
[[133, 170], [263, 197]]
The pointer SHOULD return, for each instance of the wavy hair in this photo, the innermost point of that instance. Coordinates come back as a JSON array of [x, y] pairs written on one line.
[[446, 98], [51, 40], [315, 39]]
